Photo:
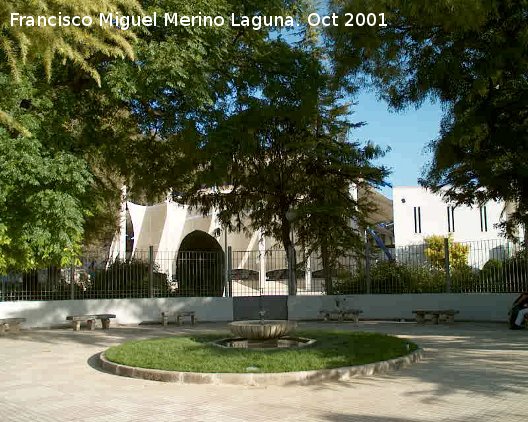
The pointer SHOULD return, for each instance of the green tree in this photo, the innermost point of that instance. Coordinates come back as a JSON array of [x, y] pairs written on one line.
[[41, 214], [472, 56], [126, 122], [22, 43], [435, 252], [273, 160]]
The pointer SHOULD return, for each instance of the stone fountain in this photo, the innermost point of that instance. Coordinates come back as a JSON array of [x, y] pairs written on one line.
[[263, 334]]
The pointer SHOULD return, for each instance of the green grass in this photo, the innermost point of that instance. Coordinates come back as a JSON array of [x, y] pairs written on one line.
[[193, 354]]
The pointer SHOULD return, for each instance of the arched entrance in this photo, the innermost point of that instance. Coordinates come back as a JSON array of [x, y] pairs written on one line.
[[200, 265]]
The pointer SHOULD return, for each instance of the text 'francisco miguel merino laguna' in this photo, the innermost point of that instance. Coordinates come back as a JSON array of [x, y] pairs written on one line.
[[127, 21]]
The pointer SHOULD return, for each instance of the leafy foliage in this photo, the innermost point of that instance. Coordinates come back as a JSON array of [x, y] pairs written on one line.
[[21, 43], [127, 279], [435, 252], [472, 56], [273, 158], [41, 213], [388, 277]]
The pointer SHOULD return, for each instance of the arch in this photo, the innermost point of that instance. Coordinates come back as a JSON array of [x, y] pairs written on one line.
[[200, 265]]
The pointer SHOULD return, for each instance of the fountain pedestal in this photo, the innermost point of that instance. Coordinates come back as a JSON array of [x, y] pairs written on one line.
[[263, 335], [262, 329]]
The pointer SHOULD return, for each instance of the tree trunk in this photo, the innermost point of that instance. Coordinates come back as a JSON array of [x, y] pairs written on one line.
[[290, 256], [327, 268]]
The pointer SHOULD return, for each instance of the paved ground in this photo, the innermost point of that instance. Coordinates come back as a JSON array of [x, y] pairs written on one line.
[[472, 372]]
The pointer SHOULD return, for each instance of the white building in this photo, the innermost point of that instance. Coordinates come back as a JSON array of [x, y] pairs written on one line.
[[173, 230], [419, 213]]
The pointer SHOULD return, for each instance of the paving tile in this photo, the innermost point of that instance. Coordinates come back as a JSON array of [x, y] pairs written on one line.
[[472, 372]]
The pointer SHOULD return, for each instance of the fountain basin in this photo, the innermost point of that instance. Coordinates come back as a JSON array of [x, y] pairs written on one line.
[[262, 330], [270, 344]]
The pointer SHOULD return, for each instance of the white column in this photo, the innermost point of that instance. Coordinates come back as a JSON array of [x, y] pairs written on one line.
[[121, 254], [262, 258], [353, 190], [308, 273]]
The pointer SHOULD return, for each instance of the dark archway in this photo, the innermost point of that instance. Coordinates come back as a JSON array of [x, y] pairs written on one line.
[[200, 265]]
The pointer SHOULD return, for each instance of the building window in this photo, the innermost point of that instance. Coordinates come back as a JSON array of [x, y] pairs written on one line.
[[483, 219], [450, 219], [417, 220]]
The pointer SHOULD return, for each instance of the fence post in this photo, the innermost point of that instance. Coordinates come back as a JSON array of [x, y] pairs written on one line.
[[151, 271], [367, 266], [72, 282], [229, 284], [447, 265]]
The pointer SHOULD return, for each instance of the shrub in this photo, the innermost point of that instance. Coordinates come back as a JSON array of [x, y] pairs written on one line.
[[348, 282], [464, 279], [435, 252], [492, 272], [392, 277], [514, 275], [127, 279]]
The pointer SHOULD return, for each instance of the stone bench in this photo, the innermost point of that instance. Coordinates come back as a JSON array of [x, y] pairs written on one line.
[[340, 314], [13, 324], [90, 320], [447, 314], [179, 317]]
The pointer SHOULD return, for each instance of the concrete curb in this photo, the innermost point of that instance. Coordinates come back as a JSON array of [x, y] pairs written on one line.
[[256, 379]]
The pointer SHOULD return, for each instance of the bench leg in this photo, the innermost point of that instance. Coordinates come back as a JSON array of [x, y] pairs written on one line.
[[178, 320], [76, 325], [91, 324], [355, 318], [106, 323], [436, 317], [164, 319], [192, 320]]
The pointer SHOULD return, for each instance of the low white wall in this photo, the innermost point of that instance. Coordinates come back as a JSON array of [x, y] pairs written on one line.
[[472, 306], [128, 311]]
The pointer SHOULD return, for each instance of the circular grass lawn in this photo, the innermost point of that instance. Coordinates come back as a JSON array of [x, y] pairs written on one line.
[[333, 349]]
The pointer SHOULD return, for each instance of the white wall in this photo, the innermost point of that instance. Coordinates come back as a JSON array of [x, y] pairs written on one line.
[[434, 217], [127, 311], [434, 221], [472, 307]]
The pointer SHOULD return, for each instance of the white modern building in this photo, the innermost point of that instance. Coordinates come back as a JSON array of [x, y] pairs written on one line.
[[172, 232], [419, 213]]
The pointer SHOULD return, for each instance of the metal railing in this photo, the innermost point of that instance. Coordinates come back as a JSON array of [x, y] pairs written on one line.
[[479, 267]]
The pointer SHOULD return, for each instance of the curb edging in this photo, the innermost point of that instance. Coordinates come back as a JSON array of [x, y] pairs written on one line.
[[261, 379]]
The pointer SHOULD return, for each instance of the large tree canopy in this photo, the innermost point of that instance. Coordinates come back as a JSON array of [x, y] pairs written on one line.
[[472, 55], [283, 158], [196, 107], [88, 122]]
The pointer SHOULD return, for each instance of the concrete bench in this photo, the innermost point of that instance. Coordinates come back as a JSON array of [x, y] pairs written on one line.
[[179, 317], [447, 314], [90, 320], [13, 324], [341, 314]]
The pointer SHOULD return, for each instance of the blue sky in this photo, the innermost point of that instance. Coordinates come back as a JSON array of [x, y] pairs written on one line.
[[407, 133]]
